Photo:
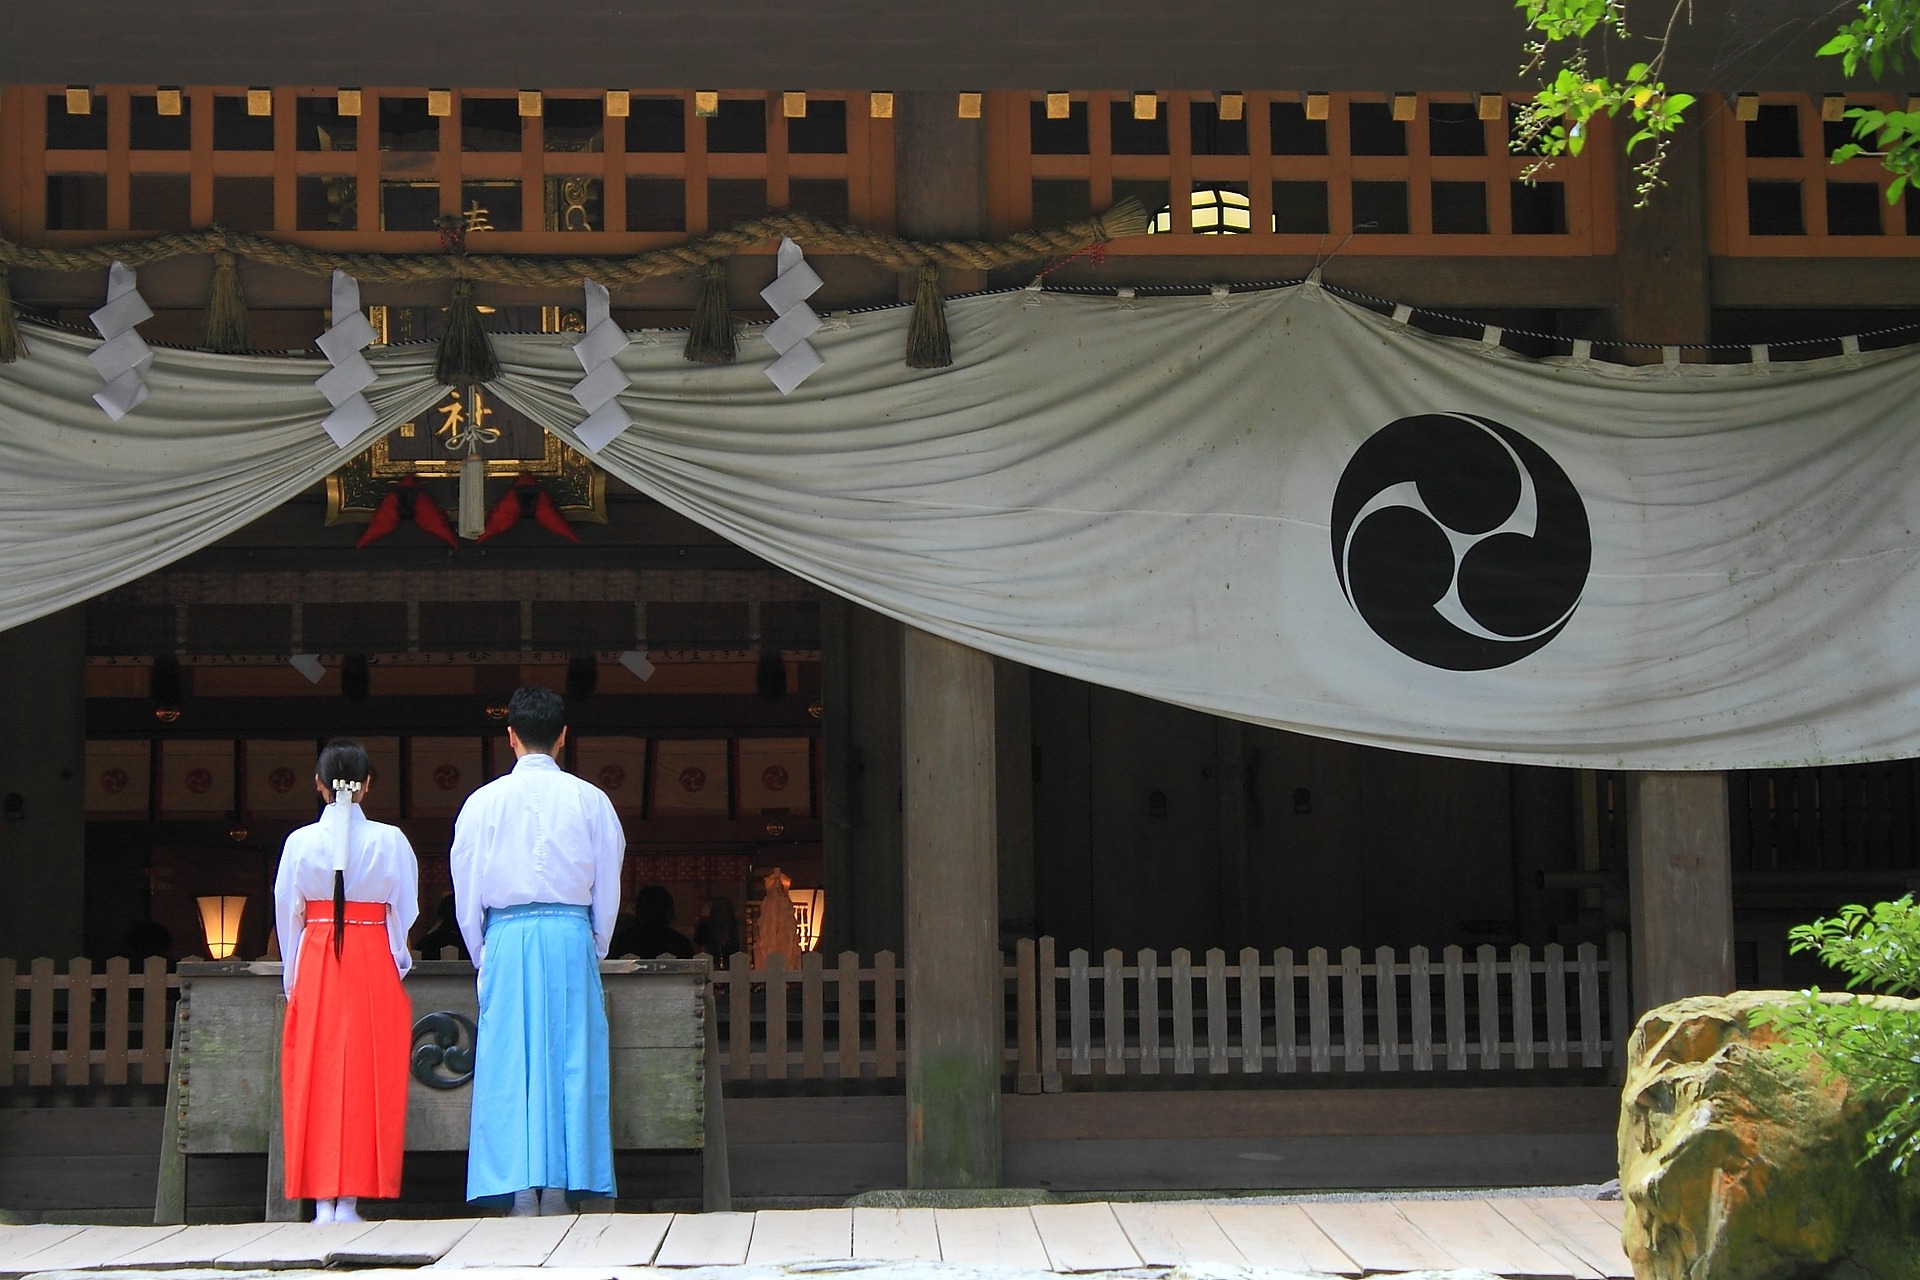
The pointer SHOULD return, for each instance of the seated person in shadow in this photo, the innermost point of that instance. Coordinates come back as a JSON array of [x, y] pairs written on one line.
[[718, 933], [445, 933], [647, 931]]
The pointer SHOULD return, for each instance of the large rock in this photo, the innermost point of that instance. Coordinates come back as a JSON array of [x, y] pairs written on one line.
[[1734, 1166]]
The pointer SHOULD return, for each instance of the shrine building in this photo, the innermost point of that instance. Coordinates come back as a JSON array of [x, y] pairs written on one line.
[[1031, 929]]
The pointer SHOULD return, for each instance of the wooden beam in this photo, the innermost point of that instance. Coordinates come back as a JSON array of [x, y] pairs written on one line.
[[121, 717]]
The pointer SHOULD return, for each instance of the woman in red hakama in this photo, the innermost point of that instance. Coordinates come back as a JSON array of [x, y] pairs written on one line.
[[346, 895]]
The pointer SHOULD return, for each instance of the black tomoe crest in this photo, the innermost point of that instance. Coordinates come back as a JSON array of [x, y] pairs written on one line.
[[1459, 541]]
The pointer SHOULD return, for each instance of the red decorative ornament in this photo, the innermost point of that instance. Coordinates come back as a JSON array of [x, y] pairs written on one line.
[[527, 499], [408, 501]]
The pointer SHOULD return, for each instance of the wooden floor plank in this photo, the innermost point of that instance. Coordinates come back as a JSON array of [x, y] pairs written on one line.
[[895, 1235], [800, 1235], [1596, 1241], [1612, 1212], [295, 1244], [990, 1238], [21, 1243], [706, 1240], [1084, 1237], [400, 1242], [89, 1247], [1172, 1235], [1376, 1236], [1543, 1233], [1471, 1231], [196, 1246], [611, 1240], [508, 1242], [1282, 1236]]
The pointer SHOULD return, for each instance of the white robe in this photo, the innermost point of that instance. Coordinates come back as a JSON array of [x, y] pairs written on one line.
[[380, 868], [539, 834]]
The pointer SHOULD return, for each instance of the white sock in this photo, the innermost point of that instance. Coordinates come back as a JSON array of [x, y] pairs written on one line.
[[347, 1209], [525, 1205], [323, 1211], [553, 1200]]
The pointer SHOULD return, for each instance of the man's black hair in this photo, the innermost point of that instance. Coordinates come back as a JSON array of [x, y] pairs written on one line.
[[537, 714]]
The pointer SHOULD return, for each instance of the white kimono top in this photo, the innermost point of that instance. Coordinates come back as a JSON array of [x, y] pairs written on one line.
[[380, 868], [539, 834]]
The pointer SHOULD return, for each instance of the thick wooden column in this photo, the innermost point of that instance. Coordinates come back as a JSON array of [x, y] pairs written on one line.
[[954, 1014], [1680, 885], [953, 984], [43, 747], [1680, 871]]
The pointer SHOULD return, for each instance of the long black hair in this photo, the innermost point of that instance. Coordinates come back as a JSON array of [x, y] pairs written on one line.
[[342, 760]]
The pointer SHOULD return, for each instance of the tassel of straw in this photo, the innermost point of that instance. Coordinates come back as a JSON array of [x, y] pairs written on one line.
[[11, 348], [466, 357], [227, 327], [710, 339], [928, 346]]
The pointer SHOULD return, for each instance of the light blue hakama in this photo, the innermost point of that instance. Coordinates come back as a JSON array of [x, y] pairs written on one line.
[[541, 1109]]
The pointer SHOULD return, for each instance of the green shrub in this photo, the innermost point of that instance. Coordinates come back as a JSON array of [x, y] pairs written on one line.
[[1873, 1045]]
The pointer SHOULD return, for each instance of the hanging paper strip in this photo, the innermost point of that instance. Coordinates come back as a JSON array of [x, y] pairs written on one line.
[[599, 392], [793, 284], [345, 384], [121, 360]]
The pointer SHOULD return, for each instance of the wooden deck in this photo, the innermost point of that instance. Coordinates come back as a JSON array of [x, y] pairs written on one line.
[[1564, 1239]]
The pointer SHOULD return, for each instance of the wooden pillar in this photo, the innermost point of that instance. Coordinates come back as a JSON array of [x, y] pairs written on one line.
[[860, 729], [1679, 872], [43, 748], [953, 982], [1680, 885]]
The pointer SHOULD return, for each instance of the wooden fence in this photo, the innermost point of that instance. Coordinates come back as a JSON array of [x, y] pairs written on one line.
[[85, 1027], [1357, 1013], [1268, 1012]]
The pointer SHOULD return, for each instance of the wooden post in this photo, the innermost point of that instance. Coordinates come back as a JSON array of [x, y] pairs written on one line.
[[279, 1208], [1679, 871], [716, 1181], [954, 999], [1680, 879], [170, 1188]]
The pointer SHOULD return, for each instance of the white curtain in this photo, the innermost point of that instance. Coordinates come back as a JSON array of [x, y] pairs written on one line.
[[87, 504], [1148, 494]]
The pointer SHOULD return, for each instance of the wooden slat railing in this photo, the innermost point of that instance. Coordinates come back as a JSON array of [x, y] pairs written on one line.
[[1329, 1013], [83, 1027], [1138, 1016], [847, 1024]]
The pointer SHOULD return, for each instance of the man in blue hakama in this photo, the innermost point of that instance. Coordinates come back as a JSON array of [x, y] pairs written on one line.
[[536, 878]]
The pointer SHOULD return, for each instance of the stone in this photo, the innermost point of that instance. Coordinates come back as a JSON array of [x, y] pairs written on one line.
[[1734, 1165]]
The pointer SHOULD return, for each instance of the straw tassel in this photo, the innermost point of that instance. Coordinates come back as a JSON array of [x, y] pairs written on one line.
[[227, 327], [1128, 218], [11, 348], [928, 346], [466, 356], [710, 339]]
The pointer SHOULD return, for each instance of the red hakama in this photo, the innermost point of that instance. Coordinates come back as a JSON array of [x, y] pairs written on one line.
[[344, 1060]]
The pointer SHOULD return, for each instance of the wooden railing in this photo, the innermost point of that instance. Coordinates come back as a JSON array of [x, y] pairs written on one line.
[[1351, 1013], [1268, 1012], [85, 1027], [849, 1023]]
